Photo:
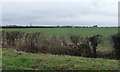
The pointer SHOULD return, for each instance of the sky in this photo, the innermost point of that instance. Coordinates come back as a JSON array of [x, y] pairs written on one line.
[[79, 13]]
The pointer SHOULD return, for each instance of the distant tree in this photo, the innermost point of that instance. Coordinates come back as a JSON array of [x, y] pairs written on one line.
[[95, 26], [57, 26]]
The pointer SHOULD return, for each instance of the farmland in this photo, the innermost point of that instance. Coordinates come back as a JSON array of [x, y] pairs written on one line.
[[68, 31], [47, 51]]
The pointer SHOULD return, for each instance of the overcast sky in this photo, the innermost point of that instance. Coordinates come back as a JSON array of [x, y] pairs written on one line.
[[102, 13]]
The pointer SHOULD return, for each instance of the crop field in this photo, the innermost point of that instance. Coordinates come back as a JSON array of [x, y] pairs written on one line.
[[68, 31]]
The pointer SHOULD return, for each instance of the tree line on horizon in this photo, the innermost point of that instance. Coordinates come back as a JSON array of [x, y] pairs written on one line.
[[68, 26]]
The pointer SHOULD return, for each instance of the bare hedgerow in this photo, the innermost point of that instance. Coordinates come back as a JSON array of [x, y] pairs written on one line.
[[57, 45], [80, 46], [4, 41], [36, 42], [9, 38], [74, 39], [30, 42], [116, 41], [85, 50]]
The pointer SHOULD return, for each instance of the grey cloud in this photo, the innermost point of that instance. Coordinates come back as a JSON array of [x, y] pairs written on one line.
[[60, 13]]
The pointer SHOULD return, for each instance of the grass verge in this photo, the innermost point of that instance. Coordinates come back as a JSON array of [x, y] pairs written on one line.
[[18, 60]]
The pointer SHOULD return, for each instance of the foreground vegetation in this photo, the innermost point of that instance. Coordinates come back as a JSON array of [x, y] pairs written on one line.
[[75, 45], [18, 60], [36, 42], [32, 50]]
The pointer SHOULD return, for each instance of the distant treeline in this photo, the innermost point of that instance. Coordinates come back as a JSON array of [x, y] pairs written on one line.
[[52, 27]]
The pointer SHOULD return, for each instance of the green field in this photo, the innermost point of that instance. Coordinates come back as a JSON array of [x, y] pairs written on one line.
[[18, 60], [68, 31]]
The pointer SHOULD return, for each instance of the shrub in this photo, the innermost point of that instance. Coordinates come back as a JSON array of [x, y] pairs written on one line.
[[116, 41], [80, 46], [29, 42], [74, 39], [94, 41], [9, 38], [36, 42], [58, 45], [85, 50], [3, 39]]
